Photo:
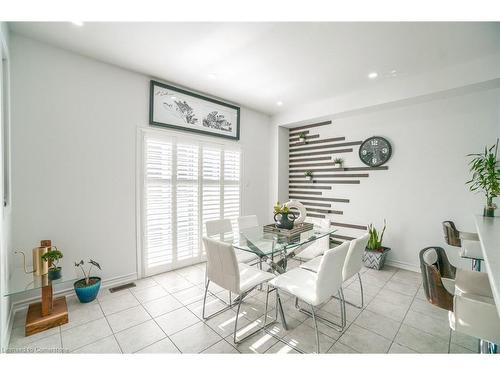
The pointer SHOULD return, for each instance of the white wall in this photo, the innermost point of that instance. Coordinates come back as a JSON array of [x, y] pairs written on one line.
[[75, 124], [425, 181], [5, 211]]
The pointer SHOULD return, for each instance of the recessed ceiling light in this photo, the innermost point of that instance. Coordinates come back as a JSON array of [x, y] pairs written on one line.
[[212, 76], [394, 72], [279, 103], [173, 97], [373, 75], [77, 23]]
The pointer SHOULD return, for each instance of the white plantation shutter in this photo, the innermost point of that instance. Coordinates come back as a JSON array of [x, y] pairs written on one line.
[[158, 204], [231, 200], [186, 183], [188, 240]]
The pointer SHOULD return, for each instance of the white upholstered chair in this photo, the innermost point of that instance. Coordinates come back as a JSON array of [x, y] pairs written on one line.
[[470, 247], [316, 248], [316, 288], [352, 265], [249, 221], [215, 227], [468, 299], [224, 270]]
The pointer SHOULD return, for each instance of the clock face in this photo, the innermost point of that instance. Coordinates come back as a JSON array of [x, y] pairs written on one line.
[[375, 151]]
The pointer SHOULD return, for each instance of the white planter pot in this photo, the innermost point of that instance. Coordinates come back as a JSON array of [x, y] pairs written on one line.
[[337, 165], [309, 178], [302, 140]]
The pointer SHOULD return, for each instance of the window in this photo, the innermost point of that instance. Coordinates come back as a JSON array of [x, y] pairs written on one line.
[[186, 183]]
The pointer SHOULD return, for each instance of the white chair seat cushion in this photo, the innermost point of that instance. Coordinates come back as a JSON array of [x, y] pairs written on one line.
[[471, 249], [475, 316], [312, 265], [472, 282], [243, 256], [300, 283], [251, 277], [309, 253]]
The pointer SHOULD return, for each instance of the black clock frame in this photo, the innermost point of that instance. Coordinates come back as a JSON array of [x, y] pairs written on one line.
[[382, 162]]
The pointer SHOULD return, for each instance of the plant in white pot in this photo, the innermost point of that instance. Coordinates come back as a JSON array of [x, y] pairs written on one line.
[[485, 169], [302, 137], [338, 162], [308, 175]]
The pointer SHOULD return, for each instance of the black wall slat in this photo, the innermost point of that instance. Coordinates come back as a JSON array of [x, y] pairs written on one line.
[[326, 152], [333, 145], [326, 140], [340, 200], [311, 126]]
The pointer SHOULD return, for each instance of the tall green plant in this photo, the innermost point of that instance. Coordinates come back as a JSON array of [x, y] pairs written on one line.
[[485, 174], [375, 239]]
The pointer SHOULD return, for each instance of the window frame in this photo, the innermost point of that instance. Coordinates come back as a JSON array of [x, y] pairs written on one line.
[[182, 137]]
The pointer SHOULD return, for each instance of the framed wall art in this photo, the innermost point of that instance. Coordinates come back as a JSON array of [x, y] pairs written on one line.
[[179, 109]]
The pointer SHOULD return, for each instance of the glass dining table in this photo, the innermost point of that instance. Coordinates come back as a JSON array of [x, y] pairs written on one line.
[[274, 249]]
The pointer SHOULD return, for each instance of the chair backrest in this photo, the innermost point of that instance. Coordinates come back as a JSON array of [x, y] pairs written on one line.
[[222, 266], [218, 226], [434, 266], [249, 221], [329, 278], [354, 259], [451, 234]]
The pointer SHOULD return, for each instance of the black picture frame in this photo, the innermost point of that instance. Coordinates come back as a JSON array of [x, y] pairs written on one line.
[[153, 120]]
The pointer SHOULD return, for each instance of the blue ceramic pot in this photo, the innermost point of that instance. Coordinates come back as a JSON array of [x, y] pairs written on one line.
[[87, 293]]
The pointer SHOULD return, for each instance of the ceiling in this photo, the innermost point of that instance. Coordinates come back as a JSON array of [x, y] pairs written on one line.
[[259, 64]]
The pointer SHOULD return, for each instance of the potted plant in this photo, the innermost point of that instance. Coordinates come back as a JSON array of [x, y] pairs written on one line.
[[52, 257], [302, 137], [485, 169], [86, 289], [338, 162], [308, 175], [375, 254], [282, 216]]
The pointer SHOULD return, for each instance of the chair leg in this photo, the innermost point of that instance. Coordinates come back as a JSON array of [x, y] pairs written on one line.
[[342, 308], [362, 294], [205, 298], [476, 265], [316, 328], [449, 341]]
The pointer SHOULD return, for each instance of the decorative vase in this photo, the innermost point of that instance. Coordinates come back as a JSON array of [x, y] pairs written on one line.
[[87, 293], [300, 207], [375, 259], [54, 273], [489, 211], [283, 221]]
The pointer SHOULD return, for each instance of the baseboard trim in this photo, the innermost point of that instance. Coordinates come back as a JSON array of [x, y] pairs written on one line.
[[403, 265], [23, 304]]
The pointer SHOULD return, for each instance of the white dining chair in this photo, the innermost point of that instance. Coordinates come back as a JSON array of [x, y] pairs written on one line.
[[222, 226], [249, 221], [316, 248], [224, 270], [316, 288], [352, 265]]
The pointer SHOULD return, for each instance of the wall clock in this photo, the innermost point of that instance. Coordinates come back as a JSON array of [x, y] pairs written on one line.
[[375, 151]]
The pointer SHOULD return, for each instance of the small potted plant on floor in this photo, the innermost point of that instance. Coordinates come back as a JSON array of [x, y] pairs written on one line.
[[338, 162], [86, 289], [308, 175], [53, 257], [485, 169], [375, 254], [302, 137]]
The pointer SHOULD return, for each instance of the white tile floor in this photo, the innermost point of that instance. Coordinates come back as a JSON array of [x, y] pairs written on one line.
[[162, 314]]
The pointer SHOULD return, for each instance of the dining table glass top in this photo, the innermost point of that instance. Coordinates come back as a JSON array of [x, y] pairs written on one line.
[[261, 243]]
